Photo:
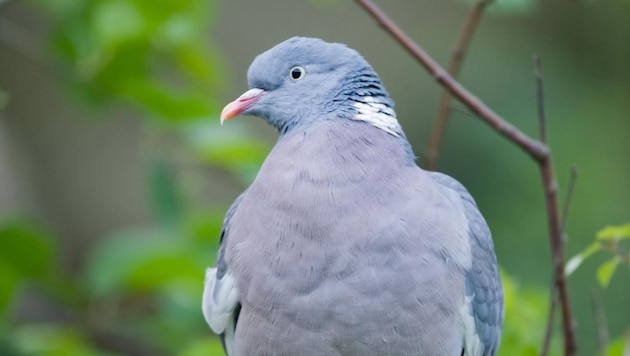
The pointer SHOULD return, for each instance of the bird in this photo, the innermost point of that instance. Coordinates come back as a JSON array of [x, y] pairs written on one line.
[[342, 244]]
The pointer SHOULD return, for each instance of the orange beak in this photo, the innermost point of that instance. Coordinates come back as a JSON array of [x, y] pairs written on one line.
[[241, 104]]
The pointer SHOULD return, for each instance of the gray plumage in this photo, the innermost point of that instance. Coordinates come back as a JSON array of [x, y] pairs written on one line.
[[342, 245]]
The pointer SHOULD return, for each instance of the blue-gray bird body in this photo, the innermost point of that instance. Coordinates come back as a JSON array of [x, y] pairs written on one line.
[[342, 245]]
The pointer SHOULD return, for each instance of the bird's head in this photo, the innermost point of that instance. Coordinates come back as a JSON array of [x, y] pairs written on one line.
[[304, 80]]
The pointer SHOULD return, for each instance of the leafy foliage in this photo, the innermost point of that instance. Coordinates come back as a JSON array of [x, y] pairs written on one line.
[[608, 239], [525, 321], [150, 54], [26, 254], [140, 290], [144, 282]]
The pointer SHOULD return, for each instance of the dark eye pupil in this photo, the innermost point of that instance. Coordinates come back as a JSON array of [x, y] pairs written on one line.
[[296, 73]]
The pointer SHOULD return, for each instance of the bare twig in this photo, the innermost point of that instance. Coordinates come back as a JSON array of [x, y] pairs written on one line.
[[540, 98], [553, 293], [567, 199], [553, 305], [538, 150], [556, 229], [601, 322], [459, 51], [557, 251]]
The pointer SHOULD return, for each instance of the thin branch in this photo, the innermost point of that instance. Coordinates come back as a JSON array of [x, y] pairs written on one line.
[[542, 123], [459, 51], [553, 293], [555, 224], [567, 200], [553, 305], [538, 150], [601, 323], [556, 229], [540, 99], [557, 252]]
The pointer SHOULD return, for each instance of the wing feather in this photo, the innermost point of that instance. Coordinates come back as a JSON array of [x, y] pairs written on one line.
[[482, 312], [220, 300]]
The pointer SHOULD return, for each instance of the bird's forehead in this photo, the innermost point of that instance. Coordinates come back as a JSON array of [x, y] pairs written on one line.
[[302, 51]]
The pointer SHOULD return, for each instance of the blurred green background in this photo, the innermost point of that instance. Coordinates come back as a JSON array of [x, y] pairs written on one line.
[[115, 175]]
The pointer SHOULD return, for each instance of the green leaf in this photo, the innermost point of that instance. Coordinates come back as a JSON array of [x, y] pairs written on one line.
[[525, 316], [620, 232], [606, 271], [26, 248], [234, 149], [51, 339], [205, 227], [199, 66], [153, 55], [9, 282], [618, 346], [141, 260], [116, 21], [575, 261], [167, 102], [179, 29], [203, 347], [111, 261], [161, 269], [25, 254]]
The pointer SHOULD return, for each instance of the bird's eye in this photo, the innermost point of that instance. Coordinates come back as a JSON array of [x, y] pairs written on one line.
[[297, 73]]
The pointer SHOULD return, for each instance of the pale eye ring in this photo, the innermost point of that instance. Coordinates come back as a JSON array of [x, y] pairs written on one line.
[[297, 73]]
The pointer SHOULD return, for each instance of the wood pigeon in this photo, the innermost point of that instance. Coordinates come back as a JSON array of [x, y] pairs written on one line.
[[342, 245]]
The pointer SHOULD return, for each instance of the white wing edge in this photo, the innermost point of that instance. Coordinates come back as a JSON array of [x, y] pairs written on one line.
[[472, 342], [219, 300]]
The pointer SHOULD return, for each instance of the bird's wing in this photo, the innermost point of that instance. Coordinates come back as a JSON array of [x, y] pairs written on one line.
[[220, 301], [482, 316]]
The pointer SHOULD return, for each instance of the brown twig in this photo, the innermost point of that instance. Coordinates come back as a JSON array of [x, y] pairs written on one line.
[[459, 51], [557, 252], [553, 305], [555, 223], [538, 150], [553, 293], [542, 123]]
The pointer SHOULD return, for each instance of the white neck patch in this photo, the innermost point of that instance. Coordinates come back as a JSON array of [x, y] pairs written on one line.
[[377, 114]]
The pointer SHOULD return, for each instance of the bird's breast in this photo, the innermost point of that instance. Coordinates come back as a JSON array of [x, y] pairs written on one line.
[[328, 234]]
